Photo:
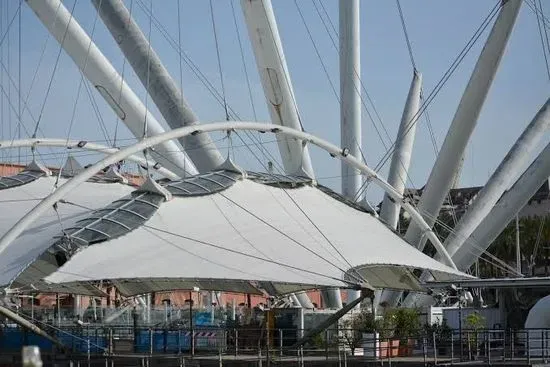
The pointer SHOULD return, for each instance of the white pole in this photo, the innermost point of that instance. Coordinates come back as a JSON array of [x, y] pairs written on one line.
[[501, 179], [99, 71], [148, 308], [281, 102], [350, 93], [350, 112], [160, 85], [464, 121], [400, 163], [401, 158], [489, 195], [506, 209]]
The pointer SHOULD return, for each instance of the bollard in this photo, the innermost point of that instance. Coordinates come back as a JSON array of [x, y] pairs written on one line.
[[220, 358], [88, 357], [260, 357]]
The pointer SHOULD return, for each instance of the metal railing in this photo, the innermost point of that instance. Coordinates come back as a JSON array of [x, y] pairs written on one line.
[[488, 346]]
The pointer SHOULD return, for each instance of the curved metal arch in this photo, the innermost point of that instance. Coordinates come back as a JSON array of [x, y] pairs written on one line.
[[332, 149], [84, 145]]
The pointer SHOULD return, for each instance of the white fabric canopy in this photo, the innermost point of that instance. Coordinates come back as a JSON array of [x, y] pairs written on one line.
[[17, 201], [252, 237]]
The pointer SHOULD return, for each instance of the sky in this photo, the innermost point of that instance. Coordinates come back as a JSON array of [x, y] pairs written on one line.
[[438, 31]]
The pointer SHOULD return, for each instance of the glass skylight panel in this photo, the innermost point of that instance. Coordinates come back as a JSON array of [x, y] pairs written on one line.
[[115, 220], [19, 179], [205, 184], [275, 179]]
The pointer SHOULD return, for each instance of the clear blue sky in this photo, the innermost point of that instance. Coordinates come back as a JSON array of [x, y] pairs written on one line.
[[438, 31]]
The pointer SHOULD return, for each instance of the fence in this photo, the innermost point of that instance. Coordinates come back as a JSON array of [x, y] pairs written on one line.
[[491, 346]]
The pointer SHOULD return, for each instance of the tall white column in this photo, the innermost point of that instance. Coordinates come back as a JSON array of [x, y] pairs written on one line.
[[281, 102], [401, 158], [464, 121], [400, 163], [273, 70], [160, 85], [99, 71], [350, 93], [350, 106]]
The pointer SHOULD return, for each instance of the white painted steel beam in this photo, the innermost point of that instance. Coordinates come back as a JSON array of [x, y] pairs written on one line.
[[158, 82], [281, 102], [281, 131], [350, 93], [401, 158], [350, 114], [108, 82], [477, 213], [449, 158], [505, 210], [510, 167]]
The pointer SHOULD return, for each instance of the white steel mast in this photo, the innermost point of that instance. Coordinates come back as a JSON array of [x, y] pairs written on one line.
[[401, 158], [99, 71], [505, 210], [160, 85], [350, 100], [465, 119], [484, 204], [270, 61], [281, 102], [510, 167]]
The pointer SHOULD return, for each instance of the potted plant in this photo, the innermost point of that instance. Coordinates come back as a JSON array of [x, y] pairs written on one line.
[[386, 329], [355, 326], [407, 326], [475, 322]]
